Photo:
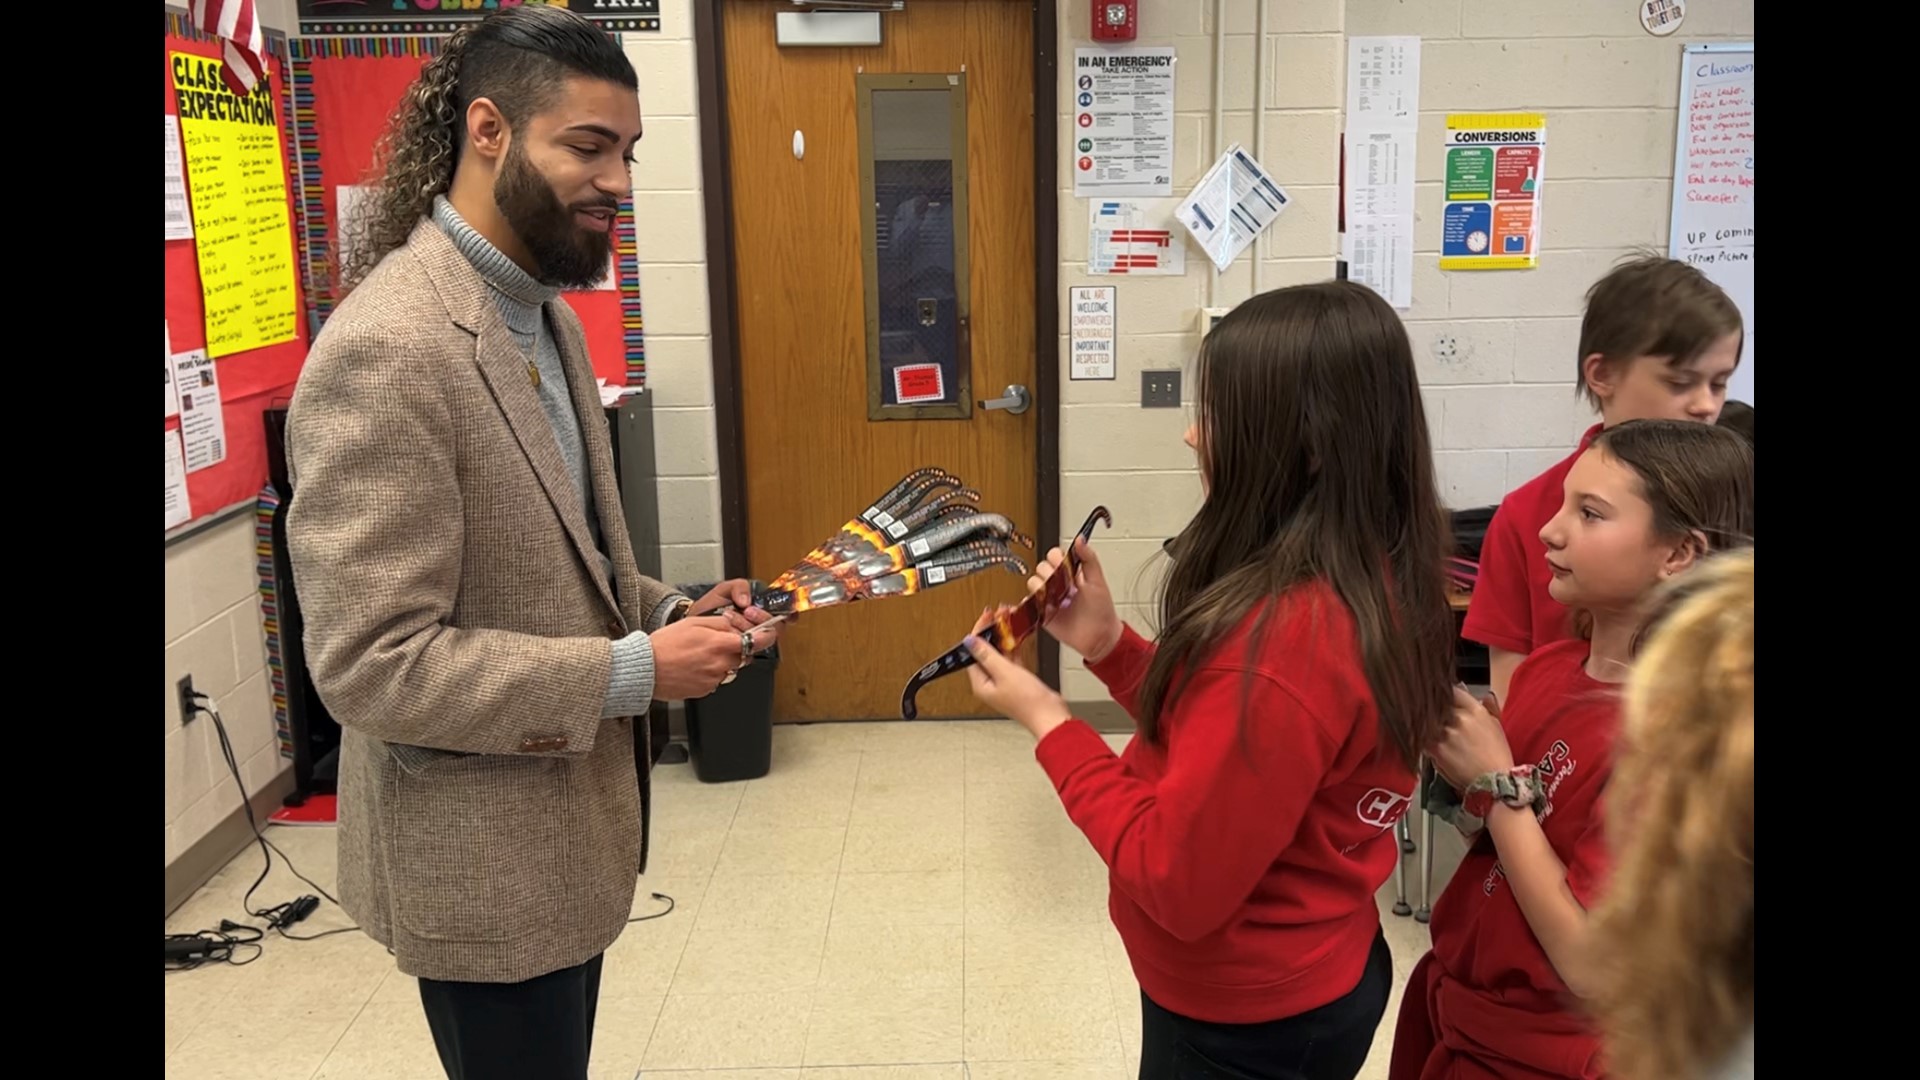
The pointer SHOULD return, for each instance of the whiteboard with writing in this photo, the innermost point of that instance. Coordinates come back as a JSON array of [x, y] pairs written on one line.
[[1713, 180]]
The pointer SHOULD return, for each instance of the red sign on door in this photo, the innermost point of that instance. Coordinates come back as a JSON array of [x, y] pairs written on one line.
[[919, 384]]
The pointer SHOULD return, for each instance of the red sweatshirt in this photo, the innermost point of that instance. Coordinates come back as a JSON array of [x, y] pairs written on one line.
[[1246, 843], [1486, 1002]]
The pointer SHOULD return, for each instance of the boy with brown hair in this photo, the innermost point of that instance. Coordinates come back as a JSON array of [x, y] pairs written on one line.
[[1658, 342]]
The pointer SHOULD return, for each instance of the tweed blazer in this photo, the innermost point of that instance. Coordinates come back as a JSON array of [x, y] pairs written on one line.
[[459, 627]]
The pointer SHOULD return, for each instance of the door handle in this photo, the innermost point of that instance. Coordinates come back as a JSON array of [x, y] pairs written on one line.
[[1014, 399]]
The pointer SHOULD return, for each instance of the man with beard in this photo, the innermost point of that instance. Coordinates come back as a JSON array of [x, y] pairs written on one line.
[[474, 616]]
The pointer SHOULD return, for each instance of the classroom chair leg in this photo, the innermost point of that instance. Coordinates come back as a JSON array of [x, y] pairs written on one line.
[[1426, 869], [1403, 835]]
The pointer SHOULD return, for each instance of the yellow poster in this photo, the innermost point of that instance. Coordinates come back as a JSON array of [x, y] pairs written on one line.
[[237, 180]]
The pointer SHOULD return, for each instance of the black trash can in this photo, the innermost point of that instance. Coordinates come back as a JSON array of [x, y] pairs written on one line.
[[730, 731]]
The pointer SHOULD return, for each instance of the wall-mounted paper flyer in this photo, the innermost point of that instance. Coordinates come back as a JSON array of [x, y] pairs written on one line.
[[173, 393], [1126, 237], [179, 215], [1122, 134], [203, 423], [1231, 205], [178, 509], [1383, 125]]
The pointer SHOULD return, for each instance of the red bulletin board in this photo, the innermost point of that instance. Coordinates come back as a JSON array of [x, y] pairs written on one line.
[[249, 381], [344, 92]]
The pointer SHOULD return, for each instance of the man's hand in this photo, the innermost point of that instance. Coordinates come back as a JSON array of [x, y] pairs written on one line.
[[694, 656], [736, 594]]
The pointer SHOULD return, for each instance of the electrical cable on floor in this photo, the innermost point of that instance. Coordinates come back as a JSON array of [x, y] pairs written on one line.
[[186, 952], [657, 914]]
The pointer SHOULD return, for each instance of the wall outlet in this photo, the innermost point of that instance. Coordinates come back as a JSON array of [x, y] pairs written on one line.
[[1160, 389], [188, 708]]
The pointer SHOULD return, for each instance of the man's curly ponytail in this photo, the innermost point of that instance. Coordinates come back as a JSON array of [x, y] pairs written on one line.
[[413, 162]]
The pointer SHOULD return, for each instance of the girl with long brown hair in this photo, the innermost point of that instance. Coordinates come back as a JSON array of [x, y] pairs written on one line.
[[1674, 934], [1496, 998], [1303, 662]]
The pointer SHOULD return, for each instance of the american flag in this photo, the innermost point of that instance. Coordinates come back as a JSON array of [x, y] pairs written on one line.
[[237, 26]]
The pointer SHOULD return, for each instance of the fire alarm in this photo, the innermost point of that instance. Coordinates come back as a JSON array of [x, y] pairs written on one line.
[[1116, 20]]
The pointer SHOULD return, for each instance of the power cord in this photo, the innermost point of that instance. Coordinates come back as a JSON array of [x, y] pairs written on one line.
[[657, 914], [188, 951]]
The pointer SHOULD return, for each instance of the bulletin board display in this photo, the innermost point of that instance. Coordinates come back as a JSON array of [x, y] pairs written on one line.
[[345, 90], [250, 376]]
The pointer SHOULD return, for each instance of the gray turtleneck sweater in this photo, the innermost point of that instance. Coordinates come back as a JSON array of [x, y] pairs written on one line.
[[522, 303]]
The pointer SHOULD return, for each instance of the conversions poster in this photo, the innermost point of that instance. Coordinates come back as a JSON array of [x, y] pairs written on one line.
[[1495, 168]]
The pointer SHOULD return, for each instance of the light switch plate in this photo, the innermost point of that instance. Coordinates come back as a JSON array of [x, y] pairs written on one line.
[[1160, 389]]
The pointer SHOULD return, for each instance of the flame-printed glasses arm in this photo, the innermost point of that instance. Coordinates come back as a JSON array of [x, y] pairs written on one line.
[[1010, 626]]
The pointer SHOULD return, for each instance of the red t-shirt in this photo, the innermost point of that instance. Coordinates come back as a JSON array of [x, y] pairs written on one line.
[[1567, 722], [1245, 845], [1510, 608]]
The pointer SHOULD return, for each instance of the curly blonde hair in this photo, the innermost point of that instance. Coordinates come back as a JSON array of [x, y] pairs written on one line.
[[519, 59], [1674, 934]]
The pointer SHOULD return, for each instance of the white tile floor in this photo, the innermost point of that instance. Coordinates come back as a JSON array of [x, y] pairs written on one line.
[[893, 902]]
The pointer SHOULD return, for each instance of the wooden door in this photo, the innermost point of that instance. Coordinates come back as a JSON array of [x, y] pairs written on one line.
[[803, 242]]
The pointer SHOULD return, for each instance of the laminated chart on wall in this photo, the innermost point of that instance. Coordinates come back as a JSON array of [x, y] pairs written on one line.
[[179, 217], [1127, 237], [203, 424], [1494, 169], [1122, 122], [1093, 324], [1231, 206], [178, 507], [236, 177], [173, 389], [1712, 223], [1377, 165]]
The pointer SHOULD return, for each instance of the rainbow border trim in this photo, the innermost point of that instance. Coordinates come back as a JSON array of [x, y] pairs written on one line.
[[263, 513], [626, 256], [316, 240]]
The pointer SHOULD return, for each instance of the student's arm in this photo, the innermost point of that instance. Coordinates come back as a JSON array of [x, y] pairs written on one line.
[[1501, 664], [1191, 848], [375, 530], [1552, 896], [1500, 614], [1124, 669]]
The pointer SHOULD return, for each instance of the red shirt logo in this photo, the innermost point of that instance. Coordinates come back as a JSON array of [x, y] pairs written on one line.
[[1381, 808]]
